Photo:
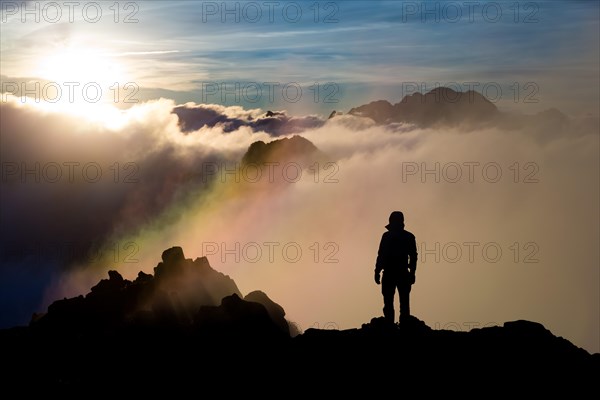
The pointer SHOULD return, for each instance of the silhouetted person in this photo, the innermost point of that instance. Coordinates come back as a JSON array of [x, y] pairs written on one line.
[[397, 258]]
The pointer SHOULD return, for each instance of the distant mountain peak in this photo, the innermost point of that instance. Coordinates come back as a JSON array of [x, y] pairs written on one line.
[[441, 105], [293, 149]]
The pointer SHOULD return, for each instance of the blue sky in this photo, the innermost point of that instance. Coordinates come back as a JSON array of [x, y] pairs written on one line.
[[367, 49]]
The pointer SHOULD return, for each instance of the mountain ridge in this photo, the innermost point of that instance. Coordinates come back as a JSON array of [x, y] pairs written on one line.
[[440, 105]]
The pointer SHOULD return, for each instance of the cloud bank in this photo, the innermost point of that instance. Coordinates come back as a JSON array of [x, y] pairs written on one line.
[[505, 216]]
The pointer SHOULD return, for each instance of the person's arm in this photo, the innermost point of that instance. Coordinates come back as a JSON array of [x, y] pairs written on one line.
[[412, 254], [381, 256]]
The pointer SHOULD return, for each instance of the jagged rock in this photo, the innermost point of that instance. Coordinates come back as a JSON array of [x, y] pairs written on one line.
[[294, 329], [238, 318], [276, 312], [195, 282], [379, 324], [115, 276], [176, 292], [143, 277], [114, 283], [173, 255], [414, 325]]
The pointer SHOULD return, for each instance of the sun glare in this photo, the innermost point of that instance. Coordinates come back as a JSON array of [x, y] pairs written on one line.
[[82, 66], [86, 82]]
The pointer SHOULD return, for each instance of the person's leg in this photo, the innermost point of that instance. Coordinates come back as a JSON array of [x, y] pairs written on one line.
[[404, 293], [388, 289]]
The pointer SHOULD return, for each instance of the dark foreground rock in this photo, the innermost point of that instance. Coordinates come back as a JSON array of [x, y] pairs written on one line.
[[168, 331]]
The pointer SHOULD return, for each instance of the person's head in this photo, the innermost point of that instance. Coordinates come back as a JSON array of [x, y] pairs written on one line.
[[396, 220]]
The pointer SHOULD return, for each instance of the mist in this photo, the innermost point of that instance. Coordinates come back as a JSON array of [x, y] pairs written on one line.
[[505, 219]]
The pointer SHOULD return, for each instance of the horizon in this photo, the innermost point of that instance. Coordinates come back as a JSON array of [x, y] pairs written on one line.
[[124, 126]]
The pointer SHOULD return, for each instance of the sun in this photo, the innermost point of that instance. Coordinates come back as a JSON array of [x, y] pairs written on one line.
[[85, 82], [83, 66]]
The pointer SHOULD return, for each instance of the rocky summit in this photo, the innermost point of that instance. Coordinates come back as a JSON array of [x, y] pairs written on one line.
[[189, 325]]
